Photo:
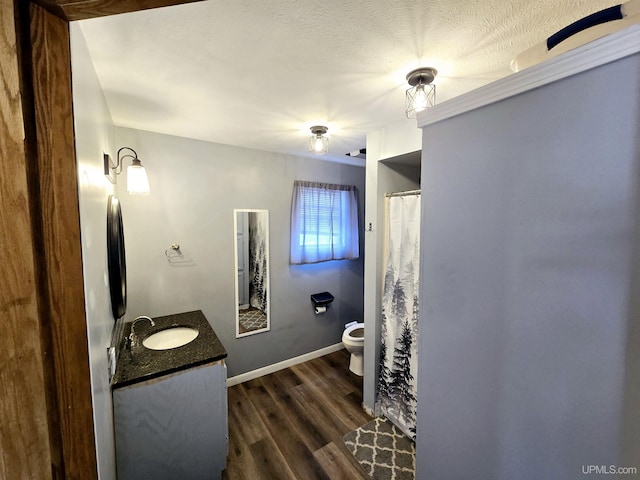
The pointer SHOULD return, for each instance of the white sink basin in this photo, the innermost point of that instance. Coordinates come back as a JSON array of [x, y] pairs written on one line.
[[170, 338]]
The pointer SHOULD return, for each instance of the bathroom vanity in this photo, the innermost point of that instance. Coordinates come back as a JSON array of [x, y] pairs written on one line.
[[170, 405]]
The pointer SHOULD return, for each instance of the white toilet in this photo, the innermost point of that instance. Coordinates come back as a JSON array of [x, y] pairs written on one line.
[[353, 341]]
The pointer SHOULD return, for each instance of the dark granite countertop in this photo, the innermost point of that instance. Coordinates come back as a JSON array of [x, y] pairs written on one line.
[[139, 363]]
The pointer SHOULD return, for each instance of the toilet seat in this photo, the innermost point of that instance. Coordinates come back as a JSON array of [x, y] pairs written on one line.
[[354, 333], [353, 341]]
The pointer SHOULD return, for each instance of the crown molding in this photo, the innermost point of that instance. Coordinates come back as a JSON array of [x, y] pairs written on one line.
[[599, 52]]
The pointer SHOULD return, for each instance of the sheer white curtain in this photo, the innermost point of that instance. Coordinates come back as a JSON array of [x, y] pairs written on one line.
[[324, 222]]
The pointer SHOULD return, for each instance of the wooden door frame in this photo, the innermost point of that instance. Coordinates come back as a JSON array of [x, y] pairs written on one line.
[[47, 427]]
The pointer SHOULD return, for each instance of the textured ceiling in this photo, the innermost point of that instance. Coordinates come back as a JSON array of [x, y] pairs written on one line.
[[258, 74]]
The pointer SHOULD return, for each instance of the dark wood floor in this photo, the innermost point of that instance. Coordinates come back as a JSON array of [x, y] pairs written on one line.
[[290, 424]]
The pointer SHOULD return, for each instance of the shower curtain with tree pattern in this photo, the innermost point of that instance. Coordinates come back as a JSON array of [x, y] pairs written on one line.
[[397, 387], [258, 261]]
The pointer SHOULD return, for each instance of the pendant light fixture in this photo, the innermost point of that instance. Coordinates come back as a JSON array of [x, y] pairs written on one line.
[[318, 142], [422, 93]]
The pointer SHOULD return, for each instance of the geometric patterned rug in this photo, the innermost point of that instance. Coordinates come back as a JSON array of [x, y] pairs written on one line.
[[383, 450], [252, 319]]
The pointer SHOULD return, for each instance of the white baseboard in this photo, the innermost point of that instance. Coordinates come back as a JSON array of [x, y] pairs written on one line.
[[245, 377]]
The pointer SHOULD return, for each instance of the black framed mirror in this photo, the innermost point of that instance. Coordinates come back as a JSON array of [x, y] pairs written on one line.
[[116, 261]]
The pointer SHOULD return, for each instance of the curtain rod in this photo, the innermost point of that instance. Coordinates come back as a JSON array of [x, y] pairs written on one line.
[[402, 194]]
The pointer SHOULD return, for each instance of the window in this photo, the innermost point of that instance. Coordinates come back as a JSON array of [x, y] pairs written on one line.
[[324, 222]]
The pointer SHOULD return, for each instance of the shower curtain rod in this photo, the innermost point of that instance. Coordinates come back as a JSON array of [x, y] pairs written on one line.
[[402, 194]]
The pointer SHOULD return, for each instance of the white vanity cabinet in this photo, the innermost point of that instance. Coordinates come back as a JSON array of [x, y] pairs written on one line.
[[173, 427]]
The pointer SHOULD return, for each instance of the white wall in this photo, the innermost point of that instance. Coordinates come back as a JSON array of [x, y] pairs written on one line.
[[94, 133], [395, 140], [530, 240], [195, 187]]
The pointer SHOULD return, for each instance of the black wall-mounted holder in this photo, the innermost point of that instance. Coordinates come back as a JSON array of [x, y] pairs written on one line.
[[321, 301]]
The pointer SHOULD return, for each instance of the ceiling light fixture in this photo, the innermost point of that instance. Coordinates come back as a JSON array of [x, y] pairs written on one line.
[[137, 181], [318, 142], [422, 93]]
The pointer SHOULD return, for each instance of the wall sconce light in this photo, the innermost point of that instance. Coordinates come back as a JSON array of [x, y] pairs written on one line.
[[137, 181], [318, 143], [422, 93]]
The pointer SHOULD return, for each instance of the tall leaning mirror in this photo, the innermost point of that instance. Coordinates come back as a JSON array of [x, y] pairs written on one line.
[[251, 231]]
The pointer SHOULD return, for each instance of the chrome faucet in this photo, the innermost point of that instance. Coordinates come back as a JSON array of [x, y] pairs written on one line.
[[134, 340]]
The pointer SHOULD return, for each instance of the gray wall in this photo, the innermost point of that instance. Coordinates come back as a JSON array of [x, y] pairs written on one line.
[[95, 134], [529, 324], [195, 187]]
